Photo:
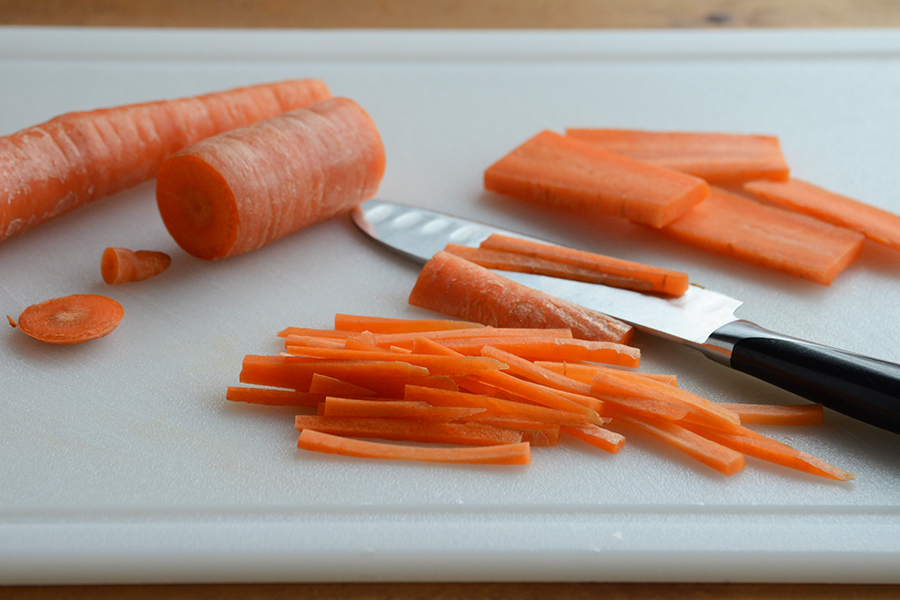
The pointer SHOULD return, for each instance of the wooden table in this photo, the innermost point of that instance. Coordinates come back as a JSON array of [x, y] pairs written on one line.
[[525, 14]]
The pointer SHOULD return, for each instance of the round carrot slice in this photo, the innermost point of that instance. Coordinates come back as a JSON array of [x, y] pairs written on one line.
[[71, 319]]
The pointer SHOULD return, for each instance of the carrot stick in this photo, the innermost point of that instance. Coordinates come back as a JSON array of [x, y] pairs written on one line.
[[360, 323], [408, 430], [452, 366], [876, 224], [456, 287], [585, 373], [409, 340], [507, 454], [76, 158], [121, 265], [331, 386], [535, 433], [644, 278], [535, 349], [777, 414], [272, 397], [243, 189], [556, 170], [597, 436], [71, 319], [312, 332], [742, 228], [395, 409], [287, 372], [721, 158]]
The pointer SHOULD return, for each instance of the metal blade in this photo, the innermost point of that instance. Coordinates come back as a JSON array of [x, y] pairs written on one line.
[[418, 234]]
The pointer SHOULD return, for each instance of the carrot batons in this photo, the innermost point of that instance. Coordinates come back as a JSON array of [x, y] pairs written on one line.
[[121, 265], [243, 189], [876, 224], [71, 319], [742, 228], [49, 169], [558, 171], [453, 286], [719, 158]]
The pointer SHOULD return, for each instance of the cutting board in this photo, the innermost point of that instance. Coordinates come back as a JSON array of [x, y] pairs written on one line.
[[121, 460]]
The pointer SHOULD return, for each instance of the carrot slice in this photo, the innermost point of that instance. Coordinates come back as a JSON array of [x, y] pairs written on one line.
[[76, 158], [777, 414], [408, 430], [721, 158], [555, 170], [876, 224], [71, 319], [272, 397], [243, 189], [742, 228], [456, 287], [360, 323], [121, 265], [597, 436], [628, 274], [507, 454], [395, 409]]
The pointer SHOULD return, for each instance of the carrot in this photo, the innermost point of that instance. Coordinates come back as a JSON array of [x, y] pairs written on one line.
[[456, 287], [535, 433], [408, 430], [777, 414], [331, 386], [395, 409], [243, 189], [556, 170], [272, 397], [288, 372], [742, 228], [535, 349], [595, 435], [585, 373], [876, 224], [312, 332], [71, 319], [409, 340], [121, 265], [721, 158], [507, 454], [49, 169], [620, 273], [360, 323]]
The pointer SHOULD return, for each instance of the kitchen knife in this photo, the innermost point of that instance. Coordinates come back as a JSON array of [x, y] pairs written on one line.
[[864, 388]]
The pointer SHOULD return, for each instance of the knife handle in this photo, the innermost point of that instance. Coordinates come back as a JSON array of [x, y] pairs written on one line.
[[867, 389]]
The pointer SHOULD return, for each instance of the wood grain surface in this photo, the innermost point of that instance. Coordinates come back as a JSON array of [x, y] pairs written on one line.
[[495, 14]]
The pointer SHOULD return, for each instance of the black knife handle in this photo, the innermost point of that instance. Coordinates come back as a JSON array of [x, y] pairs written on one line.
[[867, 389]]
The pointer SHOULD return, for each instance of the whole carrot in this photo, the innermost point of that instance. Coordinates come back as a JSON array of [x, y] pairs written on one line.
[[49, 169], [243, 189]]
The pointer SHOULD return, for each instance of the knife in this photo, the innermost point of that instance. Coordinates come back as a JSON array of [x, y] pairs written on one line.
[[867, 389]]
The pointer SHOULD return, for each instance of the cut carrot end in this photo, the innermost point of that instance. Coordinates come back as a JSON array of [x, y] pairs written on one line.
[[121, 265]]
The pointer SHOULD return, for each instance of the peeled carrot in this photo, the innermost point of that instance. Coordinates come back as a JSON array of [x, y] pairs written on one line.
[[742, 228], [876, 224], [506, 454], [360, 323], [243, 189], [121, 265], [721, 158], [49, 169], [556, 170], [71, 319], [454, 286]]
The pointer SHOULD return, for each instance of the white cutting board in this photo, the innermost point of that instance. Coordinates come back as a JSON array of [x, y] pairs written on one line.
[[121, 461]]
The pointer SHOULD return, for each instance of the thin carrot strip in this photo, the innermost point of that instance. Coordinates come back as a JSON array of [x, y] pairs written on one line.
[[360, 323], [407, 340], [331, 386], [408, 430], [287, 372], [307, 331], [597, 436], [363, 341], [535, 349], [585, 373], [535, 433], [314, 342], [121, 265], [71, 319], [778, 414], [395, 409], [272, 397], [507, 454], [453, 366]]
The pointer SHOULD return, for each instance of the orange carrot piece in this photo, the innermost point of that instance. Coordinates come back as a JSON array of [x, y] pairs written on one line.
[[454, 286], [535, 433], [272, 396], [360, 323], [876, 224], [312, 332], [288, 372], [331, 386], [76, 158], [747, 230], [585, 373], [535, 349], [121, 265], [395, 409], [314, 342], [452, 366], [71, 319], [597, 436], [644, 278], [555, 170], [408, 430], [778, 414], [243, 189], [409, 340], [721, 158], [507, 454]]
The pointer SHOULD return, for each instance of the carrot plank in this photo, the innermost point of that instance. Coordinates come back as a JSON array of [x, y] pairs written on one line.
[[453, 286], [507, 454], [556, 171], [720, 158], [360, 323], [52, 168], [121, 265], [876, 224], [747, 230], [243, 189], [273, 396], [408, 430]]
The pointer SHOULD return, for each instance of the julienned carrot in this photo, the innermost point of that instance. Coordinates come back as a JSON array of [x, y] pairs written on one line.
[[49, 169], [535, 349], [243, 189], [273, 397], [641, 277], [121, 265], [453, 286], [311, 331], [506, 454], [556, 170], [535, 433], [876, 224], [287, 372], [721, 158], [331, 386], [436, 432], [71, 319], [742, 228], [360, 323], [452, 366], [586, 372], [600, 437], [395, 409]]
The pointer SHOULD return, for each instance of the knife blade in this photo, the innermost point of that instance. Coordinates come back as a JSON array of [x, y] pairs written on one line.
[[867, 389]]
